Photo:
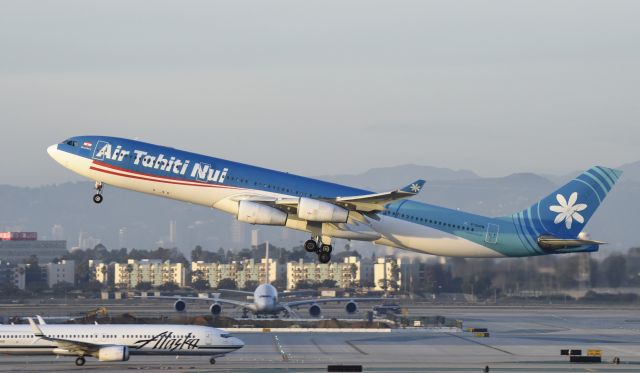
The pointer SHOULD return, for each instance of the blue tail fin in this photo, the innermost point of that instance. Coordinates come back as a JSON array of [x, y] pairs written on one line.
[[565, 212]]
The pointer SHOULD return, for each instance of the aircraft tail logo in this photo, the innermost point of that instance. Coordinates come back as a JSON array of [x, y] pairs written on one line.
[[565, 212]]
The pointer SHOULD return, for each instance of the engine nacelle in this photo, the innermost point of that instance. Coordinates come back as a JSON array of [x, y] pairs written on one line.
[[180, 305], [256, 213], [113, 353], [313, 210], [315, 310], [215, 309], [351, 307]]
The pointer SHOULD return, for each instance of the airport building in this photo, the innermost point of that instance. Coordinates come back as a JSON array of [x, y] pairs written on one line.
[[12, 274], [16, 247], [153, 271], [241, 271], [63, 271], [101, 272], [352, 272], [387, 273]]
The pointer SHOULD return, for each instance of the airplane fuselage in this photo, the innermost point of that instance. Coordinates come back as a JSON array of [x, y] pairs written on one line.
[[222, 184], [140, 339]]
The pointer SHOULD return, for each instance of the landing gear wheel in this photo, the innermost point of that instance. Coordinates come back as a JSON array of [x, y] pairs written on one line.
[[324, 257], [97, 198], [326, 249], [311, 246], [212, 361], [80, 361]]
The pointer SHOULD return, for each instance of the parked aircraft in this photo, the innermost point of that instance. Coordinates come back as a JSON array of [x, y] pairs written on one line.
[[255, 195], [266, 302], [111, 342]]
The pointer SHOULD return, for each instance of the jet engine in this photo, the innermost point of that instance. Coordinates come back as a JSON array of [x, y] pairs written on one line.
[[215, 309], [315, 310], [351, 307], [256, 213], [113, 353], [313, 210], [180, 305]]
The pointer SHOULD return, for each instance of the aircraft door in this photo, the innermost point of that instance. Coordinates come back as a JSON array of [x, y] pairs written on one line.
[[492, 233]]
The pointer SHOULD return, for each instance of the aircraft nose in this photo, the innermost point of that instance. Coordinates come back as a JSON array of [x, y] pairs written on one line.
[[55, 154], [52, 150], [237, 342]]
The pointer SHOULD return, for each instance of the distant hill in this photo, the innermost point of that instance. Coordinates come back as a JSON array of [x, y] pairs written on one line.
[[137, 220], [392, 177]]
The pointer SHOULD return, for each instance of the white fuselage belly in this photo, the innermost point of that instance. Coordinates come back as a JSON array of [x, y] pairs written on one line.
[[395, 232]]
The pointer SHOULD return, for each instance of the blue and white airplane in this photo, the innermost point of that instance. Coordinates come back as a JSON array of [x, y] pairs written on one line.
[[326, 210]]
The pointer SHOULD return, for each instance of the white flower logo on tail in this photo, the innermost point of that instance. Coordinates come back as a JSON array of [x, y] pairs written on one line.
[[568, 210]]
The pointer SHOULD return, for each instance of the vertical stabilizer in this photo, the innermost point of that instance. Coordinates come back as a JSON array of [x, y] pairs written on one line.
[[564, 213], [266, 263]]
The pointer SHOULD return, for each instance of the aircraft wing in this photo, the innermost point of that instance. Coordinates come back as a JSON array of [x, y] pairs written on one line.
[[360, 207], [377, 201], [234, 291], [299, 303], [207, 299], [366, 204], [296, 293], [70, 345]]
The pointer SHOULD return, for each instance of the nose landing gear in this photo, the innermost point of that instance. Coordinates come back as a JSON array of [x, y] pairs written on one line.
[[97, 198]]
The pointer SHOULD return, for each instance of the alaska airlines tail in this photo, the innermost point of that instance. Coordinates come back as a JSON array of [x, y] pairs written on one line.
[[562, 215]]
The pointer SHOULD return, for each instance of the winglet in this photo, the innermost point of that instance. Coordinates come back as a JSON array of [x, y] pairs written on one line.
[[41, 320], [413, 188], [36, 330]]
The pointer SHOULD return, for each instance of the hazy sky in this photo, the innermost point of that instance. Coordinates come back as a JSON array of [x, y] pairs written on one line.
[[325, 87]]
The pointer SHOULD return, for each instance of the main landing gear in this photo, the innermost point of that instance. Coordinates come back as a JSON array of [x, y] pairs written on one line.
[[323, 250], [212, 361], [80, 361], [97, 198]]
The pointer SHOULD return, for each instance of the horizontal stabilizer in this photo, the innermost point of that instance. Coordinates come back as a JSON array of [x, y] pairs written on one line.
[[555, 243]]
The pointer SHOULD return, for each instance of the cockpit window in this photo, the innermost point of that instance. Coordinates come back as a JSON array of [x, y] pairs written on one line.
[[225, 335], [71, 142]]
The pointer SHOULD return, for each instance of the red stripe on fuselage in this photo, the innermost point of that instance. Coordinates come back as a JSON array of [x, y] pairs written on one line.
[[148, 177]]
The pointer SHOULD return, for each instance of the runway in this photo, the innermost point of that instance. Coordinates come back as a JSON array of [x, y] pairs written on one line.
[[521, 340]]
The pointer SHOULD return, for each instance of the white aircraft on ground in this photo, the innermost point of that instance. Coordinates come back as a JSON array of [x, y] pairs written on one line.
[[115, 342], [265, 300]]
